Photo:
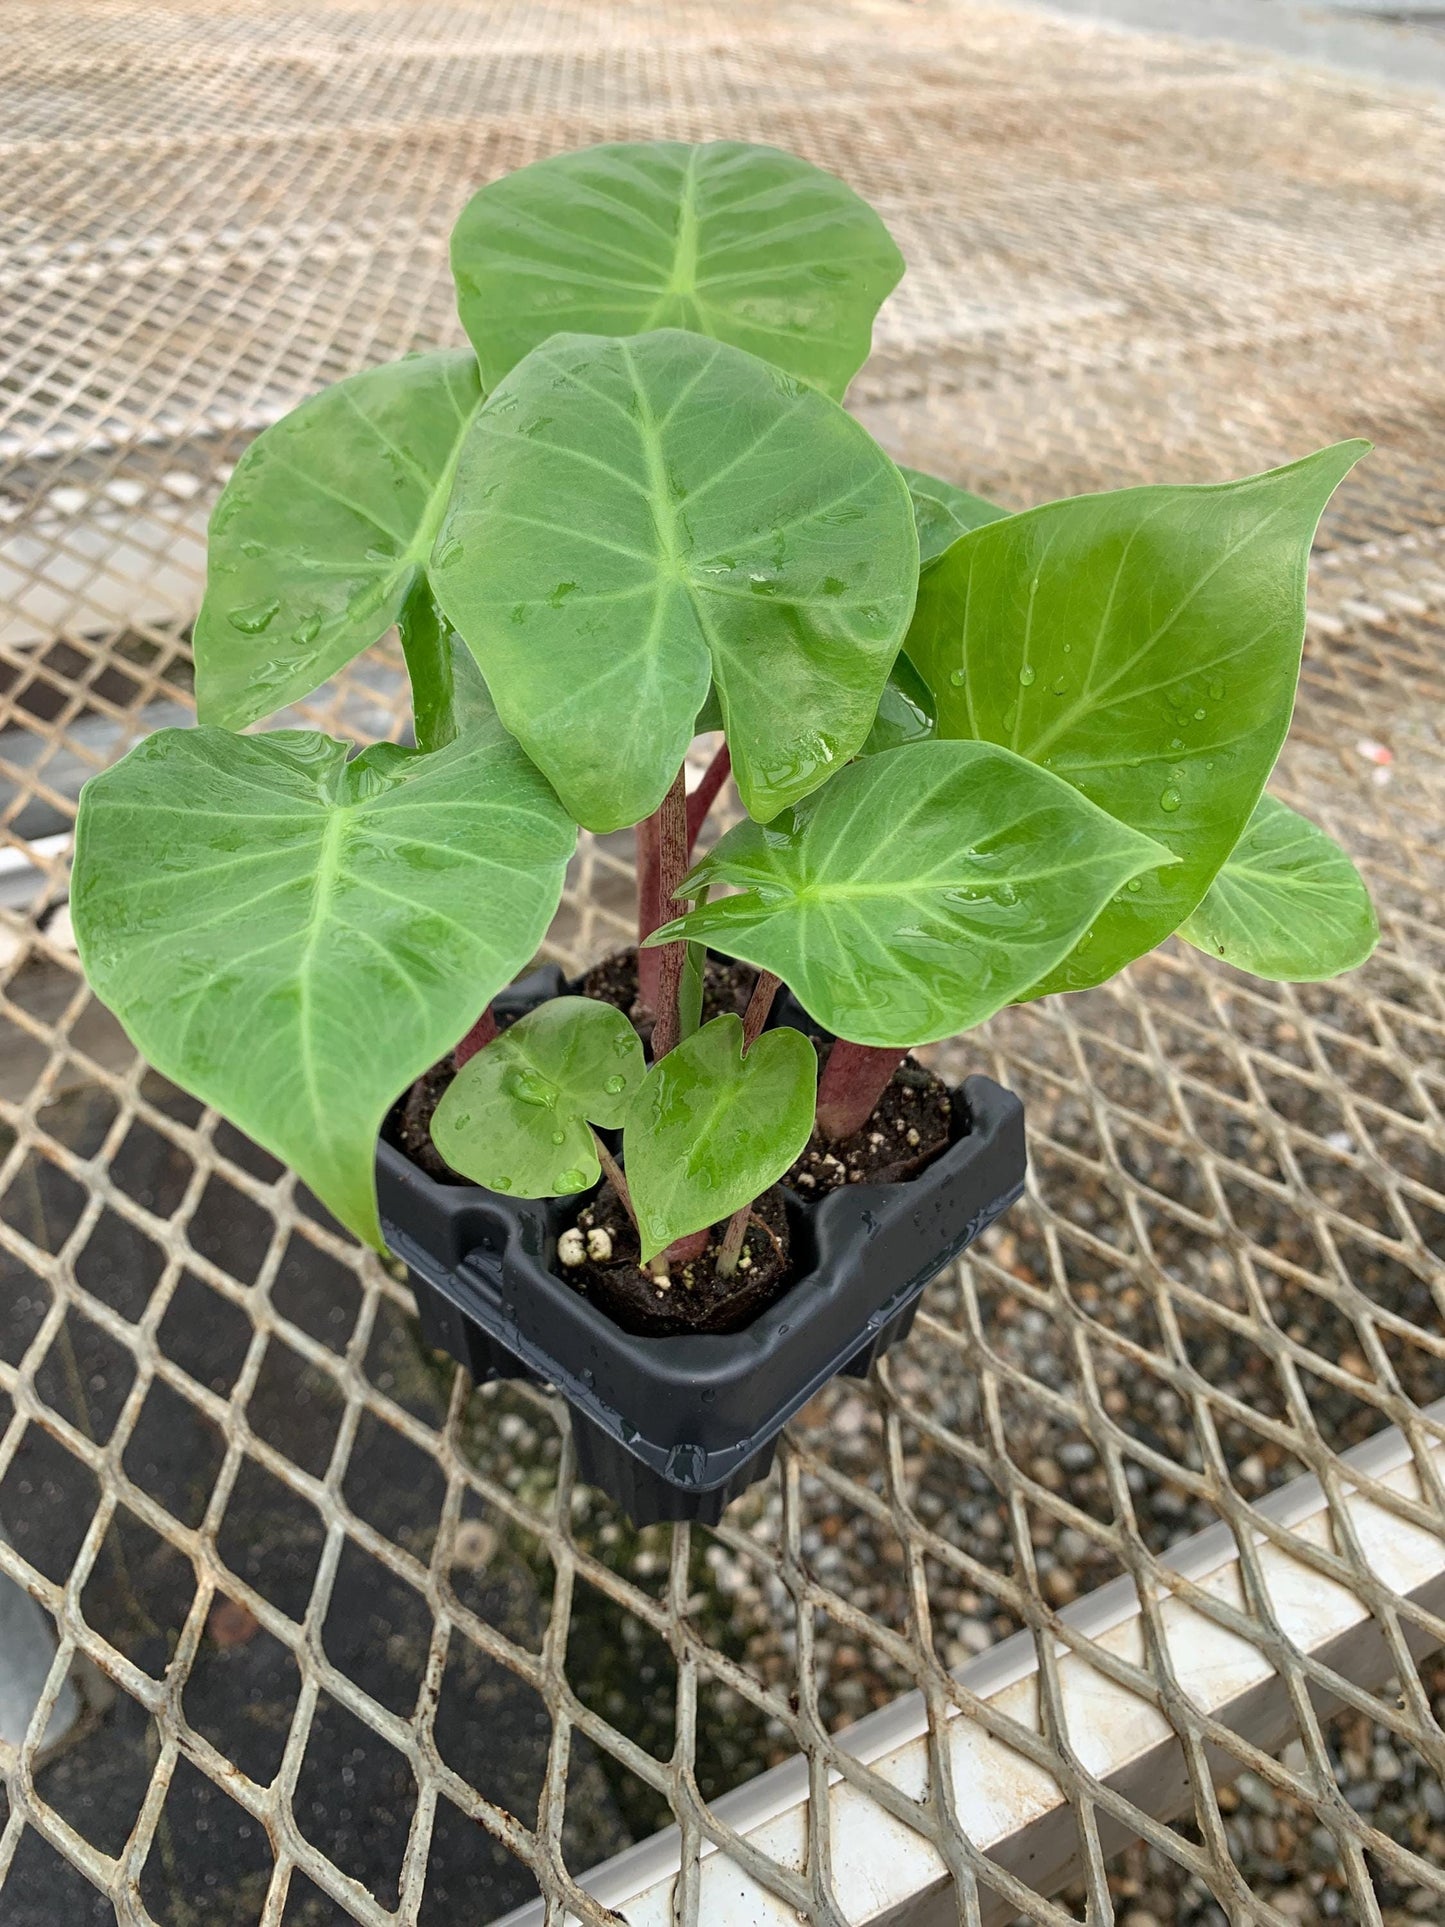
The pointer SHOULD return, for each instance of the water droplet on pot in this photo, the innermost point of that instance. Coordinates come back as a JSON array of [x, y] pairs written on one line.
[[1170, 800]]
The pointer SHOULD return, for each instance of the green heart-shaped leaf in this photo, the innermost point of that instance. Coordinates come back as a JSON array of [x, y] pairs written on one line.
[[943, 513], [518, 1116], [295, 937], [1146, 646], [1288, 904], [709, 1129], [746, 244], [919, 892], [323, 531], [632, 519]]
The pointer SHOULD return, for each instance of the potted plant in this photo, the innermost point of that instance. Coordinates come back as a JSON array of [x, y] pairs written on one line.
[[982, 757]]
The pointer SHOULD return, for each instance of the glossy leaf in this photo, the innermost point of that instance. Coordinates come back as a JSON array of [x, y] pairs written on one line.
[[943, 513], [905, 711], [1145, 645], [1288, 904], [632, 519], [709, 1129], [295, 937], [323, 531], [919, 892], [746, 244], [518, 1116]]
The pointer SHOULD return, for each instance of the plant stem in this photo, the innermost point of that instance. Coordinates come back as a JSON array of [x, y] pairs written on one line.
[[854, 1079], [671, 869], [682, 1251], [759, 1004], [477, 1038], [731, 1248], [612, 1171], [706, 793], [426, 644]]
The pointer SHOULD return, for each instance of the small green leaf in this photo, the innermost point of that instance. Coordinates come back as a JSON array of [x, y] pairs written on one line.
[[635, 519], [709, 1129], [943, 513], [905, 711], [295, 937], [323, 531], [1145, 645], [1288, 904], [517, 1117], [743, 243], [919, 892]]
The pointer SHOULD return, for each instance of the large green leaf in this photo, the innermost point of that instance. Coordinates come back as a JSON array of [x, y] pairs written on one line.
[[1145, 645], [634, 518], [518, 1116], [1288, 904], [324, 530], [710, 1129], [295, 937], [919, 892], [747, 244], [944, 512]]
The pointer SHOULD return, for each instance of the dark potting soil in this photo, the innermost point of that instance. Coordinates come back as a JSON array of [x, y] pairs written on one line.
[[911, 1125], [408, 1126], [726, 986], [693, 1298]]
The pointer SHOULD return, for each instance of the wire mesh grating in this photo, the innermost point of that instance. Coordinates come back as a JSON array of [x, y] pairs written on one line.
[[354, 1643]]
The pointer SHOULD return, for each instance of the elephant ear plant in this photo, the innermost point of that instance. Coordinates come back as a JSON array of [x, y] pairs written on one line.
[[981, 756]]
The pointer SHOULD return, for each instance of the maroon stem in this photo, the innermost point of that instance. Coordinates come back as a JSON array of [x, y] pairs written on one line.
[[759, 1004], [854, 1079], [682, 1251], [706, 793], [671, 869], [477, 1038], [649, 907]]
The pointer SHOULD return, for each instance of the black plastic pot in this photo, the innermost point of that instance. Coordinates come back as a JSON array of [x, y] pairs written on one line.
[[674, 1428]]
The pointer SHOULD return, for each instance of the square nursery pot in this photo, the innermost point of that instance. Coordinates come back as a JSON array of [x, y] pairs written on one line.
[[675, 1428]]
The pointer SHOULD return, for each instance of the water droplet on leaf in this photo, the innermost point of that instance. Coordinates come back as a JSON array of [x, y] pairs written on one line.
[[615, 1084], [255, 617], [569, 1180], [1026, 676], [1170, 801], [958, 678], [528, 1088]]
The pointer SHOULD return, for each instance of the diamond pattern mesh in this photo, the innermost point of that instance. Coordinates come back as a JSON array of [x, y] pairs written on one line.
[[352, 1642]]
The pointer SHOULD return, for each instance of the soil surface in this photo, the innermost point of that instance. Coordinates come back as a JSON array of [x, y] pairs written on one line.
[[726, 986], [408, 1126], [910, 1126], [693, 1298]]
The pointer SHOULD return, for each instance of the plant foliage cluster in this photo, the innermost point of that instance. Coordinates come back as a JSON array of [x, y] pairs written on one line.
[[983, 756]]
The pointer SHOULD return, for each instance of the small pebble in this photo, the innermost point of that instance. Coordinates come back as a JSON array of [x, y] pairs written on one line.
[[913, 1137], [570, 1248], [599, 1245]]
